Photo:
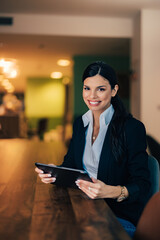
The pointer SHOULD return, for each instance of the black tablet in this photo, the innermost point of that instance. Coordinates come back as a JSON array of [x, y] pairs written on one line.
[[65, 177]]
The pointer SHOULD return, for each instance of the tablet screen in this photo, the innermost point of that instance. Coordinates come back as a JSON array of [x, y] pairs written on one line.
[[65, 177]]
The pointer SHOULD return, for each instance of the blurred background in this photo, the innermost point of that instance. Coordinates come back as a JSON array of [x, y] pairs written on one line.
[[45, 46]]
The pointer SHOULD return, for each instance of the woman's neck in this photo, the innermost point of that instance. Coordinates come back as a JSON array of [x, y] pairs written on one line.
[[96, 117]]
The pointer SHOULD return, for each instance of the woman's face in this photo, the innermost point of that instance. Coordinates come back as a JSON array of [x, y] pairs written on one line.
[[97, 93]]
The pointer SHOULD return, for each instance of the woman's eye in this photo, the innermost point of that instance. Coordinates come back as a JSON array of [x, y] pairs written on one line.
[[101, 89], [86, 88]]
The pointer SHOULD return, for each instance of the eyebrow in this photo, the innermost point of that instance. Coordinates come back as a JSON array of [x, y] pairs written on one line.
[[101, 86], [96, 87]]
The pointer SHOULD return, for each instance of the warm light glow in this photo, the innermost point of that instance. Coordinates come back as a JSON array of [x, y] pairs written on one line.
[[56, 75], [1, 78], [7, 85], [13, 74], [2, 62], [9, 105], [11, 90], [63, 62], [5, 82], [8, 68]]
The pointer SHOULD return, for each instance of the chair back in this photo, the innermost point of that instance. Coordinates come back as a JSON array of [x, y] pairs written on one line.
[[148, 227], [154, 175], [154, 147]]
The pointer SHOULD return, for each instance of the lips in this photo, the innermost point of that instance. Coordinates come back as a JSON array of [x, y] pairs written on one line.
[[94, 103]]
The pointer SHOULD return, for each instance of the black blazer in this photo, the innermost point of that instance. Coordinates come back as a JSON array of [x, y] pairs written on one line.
[[132, 172]]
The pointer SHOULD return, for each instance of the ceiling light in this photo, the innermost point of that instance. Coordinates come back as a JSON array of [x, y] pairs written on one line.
[[63, 62], [56, 75]]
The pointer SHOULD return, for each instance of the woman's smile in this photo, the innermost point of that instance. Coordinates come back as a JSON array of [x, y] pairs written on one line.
[[94, 103]]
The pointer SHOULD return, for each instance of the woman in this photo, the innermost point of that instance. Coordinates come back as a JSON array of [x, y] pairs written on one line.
[[111, 146]]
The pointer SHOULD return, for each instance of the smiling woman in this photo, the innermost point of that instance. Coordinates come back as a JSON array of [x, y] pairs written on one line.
[[110, 145]]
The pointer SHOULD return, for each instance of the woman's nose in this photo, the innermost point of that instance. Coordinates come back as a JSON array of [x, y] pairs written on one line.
[[93, 94]]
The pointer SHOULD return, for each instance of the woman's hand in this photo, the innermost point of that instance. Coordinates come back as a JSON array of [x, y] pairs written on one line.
[[45, 177], [98, 189]]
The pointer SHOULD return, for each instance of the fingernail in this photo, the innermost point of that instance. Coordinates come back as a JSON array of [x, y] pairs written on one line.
[[49, 175], [53, 179], [77, 183], [41, 171]]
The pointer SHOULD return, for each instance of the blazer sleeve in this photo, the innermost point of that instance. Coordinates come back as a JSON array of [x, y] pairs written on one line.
[[138, 173]]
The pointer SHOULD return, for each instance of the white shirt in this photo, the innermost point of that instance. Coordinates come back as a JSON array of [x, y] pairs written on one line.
[[92, 152]]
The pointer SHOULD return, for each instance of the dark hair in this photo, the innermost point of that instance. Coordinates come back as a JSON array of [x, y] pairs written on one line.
[[120, 114]]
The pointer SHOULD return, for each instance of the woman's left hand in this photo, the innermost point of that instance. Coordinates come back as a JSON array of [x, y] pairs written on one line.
[[95, 189]]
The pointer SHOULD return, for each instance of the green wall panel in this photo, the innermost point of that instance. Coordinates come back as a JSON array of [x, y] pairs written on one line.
[[44, 98]]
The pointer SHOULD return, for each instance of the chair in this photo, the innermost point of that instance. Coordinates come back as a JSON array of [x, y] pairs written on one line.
[[42, 127], [148, 227], [154, 147], [154, 175]]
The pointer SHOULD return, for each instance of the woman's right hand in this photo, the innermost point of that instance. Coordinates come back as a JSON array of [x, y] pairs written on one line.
[[45, 177]]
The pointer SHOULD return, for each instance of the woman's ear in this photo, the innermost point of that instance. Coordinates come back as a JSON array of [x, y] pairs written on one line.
[[115, 90]]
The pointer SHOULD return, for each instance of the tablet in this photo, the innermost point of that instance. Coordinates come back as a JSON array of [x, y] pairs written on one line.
[[65, 177]]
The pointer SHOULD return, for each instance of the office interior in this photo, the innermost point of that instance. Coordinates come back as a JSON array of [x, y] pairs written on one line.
[[38, 106]]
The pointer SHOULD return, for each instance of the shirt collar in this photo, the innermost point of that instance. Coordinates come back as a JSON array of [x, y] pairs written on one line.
[[105, 117]]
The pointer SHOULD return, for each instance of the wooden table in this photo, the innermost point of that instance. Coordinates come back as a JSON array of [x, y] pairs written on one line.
[[31, 210]]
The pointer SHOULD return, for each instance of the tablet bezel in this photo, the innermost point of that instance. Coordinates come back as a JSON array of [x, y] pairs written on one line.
[[65, 177]]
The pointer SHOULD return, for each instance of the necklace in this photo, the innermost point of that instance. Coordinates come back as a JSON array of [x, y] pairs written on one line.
[[96, 130]]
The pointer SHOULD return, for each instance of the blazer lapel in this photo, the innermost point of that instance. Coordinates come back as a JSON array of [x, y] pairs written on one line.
[[104, 163], [80, 146]]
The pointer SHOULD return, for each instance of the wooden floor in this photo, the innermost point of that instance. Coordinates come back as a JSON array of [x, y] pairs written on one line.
[[31, 210]]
